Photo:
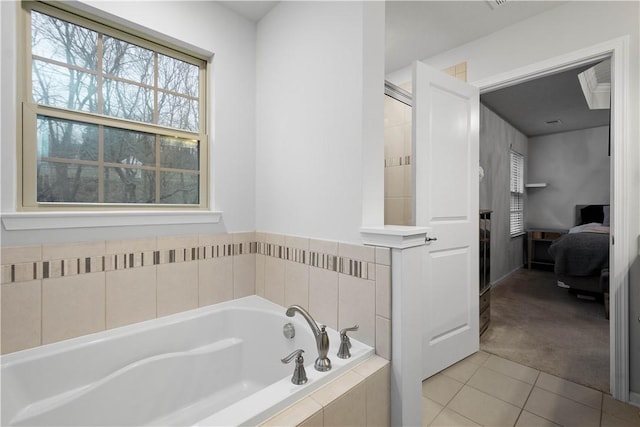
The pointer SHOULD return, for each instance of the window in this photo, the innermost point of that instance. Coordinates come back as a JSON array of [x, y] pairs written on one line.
[[517, 194], [109, 119]]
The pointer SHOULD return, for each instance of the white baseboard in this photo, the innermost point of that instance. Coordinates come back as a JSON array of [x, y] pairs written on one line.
[[634, 399]]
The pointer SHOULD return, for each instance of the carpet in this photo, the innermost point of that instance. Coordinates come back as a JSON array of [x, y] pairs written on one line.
[[538, 324]]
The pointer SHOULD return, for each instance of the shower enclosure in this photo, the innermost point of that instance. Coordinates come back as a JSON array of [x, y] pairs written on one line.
[[398, 182]]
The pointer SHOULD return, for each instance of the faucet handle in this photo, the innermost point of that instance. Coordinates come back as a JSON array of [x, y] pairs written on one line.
[[345, 342], [296, 353], [299, 374]]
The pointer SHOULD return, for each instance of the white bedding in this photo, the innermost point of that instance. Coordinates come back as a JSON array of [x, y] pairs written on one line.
[[593, 227]]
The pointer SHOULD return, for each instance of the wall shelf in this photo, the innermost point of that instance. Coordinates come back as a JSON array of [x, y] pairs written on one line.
[[536, 185]]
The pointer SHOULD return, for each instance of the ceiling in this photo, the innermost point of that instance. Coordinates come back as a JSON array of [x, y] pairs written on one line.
[[252, 10], [422, 29], [528, 106]]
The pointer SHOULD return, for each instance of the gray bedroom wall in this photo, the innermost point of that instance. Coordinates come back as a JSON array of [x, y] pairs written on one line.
[[496, 138], [575, 166]]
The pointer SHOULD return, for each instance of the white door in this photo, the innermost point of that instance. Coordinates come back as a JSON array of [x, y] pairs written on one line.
[[446, 145]]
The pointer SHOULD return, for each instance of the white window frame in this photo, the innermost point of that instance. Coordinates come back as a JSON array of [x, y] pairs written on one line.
[[27, 152], [516, 196]]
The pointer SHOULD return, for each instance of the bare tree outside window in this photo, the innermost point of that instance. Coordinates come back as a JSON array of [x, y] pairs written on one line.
[[85, 159]]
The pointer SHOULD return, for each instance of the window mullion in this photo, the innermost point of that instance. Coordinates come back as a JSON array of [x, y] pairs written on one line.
[[157, 169]]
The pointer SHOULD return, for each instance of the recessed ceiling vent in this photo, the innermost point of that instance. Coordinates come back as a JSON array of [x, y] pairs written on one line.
[[553, 122], [496, 3]]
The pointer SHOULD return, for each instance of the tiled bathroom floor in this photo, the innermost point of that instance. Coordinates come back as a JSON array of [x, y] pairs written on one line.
[[487, 390]]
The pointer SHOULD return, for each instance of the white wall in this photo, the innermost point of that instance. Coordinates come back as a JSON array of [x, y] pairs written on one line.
[[320, 119], [575, 166], [206, 26]]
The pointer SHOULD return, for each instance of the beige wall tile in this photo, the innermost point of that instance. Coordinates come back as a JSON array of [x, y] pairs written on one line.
[[378, 400], [177, 287], [131, 245], [323, 246], [370, 366], [296, 242], [383, 255], [274, 280], [348, 410], [215, 280], [244, 275], [316, 420], [296, 284], [260, 261], [73, 250], [244, 237], [383, 337], [323, 296], [356, 305], [215, 239], [72, 306], [358, 252], [336, 388], [21, 315], [177, 242], [383, 291], [296, 414], [130, 296], [393, 182], [274, 239], [18, 254]]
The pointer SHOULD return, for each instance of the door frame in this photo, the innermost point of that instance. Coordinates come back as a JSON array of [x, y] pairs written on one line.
[[618, 50]]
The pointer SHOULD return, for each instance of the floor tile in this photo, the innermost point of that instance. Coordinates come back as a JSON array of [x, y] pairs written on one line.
[[573, 391], [478, 358], [461, 371], [609, 420], [484, 409], [430, 410], [527, 419], [620, 409], [512, 369], [440, 388], [561, 410], [450, 418], [501, 386]]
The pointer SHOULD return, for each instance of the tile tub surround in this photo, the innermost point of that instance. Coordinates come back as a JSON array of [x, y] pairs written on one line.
[[56, 292], [360, 397]]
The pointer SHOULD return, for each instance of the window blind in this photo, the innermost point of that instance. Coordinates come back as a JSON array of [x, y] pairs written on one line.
[[517, 194]]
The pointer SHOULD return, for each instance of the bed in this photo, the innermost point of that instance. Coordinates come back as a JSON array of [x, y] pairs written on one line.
[[582, 256]]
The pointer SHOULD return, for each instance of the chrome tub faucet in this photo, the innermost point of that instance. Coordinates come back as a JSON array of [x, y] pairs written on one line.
[[322, 363]]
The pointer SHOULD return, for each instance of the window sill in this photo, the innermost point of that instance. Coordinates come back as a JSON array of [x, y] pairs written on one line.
[[56, 220]]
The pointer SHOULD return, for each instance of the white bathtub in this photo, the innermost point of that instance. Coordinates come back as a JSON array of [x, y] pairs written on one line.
[[216, 365]]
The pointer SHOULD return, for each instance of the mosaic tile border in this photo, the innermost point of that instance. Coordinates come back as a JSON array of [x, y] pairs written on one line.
[[55, 268], [397, 161]]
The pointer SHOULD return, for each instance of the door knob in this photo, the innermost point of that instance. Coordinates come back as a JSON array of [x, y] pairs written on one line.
[[430, 239]]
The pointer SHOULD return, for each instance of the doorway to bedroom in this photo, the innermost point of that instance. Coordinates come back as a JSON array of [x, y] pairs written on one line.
[[562, 330]]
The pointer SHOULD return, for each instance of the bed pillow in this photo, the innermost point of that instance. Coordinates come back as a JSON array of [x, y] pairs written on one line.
[[606, 220], [591, 213]]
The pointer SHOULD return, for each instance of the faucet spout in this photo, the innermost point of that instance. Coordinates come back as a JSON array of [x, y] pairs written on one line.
[[291, 311], [322, 363]]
